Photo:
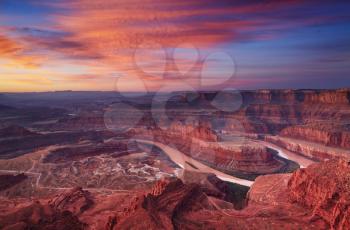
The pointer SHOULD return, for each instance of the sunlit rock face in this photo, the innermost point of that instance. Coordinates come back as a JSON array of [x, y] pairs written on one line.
[[312, 150], [76, 201], [246, 160], [201, 131], [340, 96], [271, 111], [39, 215], [320, 133], [325, 188]]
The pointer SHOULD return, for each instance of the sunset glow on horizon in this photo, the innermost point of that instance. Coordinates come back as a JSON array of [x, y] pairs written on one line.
[[94, 45]]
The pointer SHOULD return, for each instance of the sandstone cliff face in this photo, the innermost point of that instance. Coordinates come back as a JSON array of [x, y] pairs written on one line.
[[319, 192], [201, 131], [247, 161], [341, 96], [267, 96], [174, 205], [76, 201], [269, 190], [61, 212], [243, 161], [270, 111], [309, 149], [40, 216], [325, 188], [320, 134], [164, 207]]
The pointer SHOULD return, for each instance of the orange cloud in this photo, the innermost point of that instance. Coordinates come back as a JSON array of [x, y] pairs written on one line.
[[111, 31], [14, 51], [104, 36], [8, 46]]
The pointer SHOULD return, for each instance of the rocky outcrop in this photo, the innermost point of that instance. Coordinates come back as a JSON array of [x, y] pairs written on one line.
[[319, 192], [270, 111], [40, 216], [284, 96], [325, 188], [312, 198], [112, 221], [61, 212], [159, 187], [308, 149], [75, 200], [340, 96], [330, 136], [230, 192], [269, 190], [174, 205], [246, 161], [201, 131], [164, 207], [249, 159]]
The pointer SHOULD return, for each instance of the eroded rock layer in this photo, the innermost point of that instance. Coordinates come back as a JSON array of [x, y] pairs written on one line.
[[325, 188], [313, 198]]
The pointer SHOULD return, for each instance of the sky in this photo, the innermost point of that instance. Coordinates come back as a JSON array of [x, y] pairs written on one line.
[[165, 45]]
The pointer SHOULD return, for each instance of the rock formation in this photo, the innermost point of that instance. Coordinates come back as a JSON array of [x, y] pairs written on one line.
[[313, 198], [315, 151], [122, 179], [40, 216], [164, 207], [201, 131], [320, 133], [325, 188], [76, 201], [270, 111]]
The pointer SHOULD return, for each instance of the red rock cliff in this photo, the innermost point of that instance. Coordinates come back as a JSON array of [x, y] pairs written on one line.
[[201, 131], [325, 188], [319, 133]]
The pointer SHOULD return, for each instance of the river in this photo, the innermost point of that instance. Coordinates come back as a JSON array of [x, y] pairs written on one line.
[[182, 160]]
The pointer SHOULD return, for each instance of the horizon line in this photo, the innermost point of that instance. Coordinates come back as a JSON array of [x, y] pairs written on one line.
[[111, 91]]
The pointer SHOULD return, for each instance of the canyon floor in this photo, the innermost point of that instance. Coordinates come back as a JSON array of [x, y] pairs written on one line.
[[99, 160]]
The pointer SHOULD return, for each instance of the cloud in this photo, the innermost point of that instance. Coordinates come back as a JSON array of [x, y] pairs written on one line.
[[8, 46], [119, 26], [104, 35], [15, 51]]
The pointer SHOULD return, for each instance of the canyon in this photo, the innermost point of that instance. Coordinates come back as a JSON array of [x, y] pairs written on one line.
[[259, 159], [298, 200]]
